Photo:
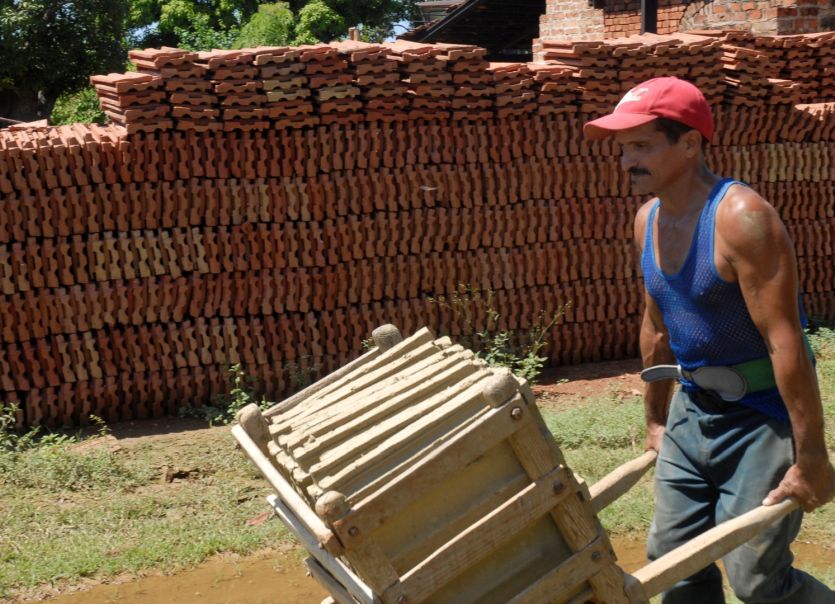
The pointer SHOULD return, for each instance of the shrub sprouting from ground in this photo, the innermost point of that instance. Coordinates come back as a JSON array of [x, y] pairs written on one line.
[[480, 323]]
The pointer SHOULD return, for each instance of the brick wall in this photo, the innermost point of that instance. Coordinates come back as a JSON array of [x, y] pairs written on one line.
[[574, 20], [138, 262], [571, 20]]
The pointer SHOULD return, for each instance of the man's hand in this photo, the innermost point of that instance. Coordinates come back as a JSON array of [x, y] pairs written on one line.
[[813, 485], [655, 434]]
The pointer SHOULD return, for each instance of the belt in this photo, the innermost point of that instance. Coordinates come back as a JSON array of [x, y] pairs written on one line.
[[730, 382]]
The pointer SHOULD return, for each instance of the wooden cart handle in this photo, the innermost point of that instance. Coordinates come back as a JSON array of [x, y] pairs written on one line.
[[701, 551], [620, 480]]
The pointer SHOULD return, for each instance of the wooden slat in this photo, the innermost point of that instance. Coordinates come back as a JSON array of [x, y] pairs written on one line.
[[574, 517], [483, 537], [392, 361], [345, 403], [567, 577], [494, 427], [343, 575], [442, 390], [322, 384], [338, 593], [413, 552], [418, 450], [333, 475], [324, 536], [367, 412]]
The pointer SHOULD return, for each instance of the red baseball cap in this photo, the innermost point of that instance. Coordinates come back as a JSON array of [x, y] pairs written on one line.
[[667, 97]]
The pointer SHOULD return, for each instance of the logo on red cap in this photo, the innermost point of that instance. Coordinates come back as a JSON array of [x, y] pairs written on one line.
[[666, 97]]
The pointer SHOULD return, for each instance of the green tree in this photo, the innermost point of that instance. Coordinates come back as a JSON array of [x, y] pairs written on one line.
[[272, 25], [318, 23], [376, 18], [196, 24], [51, 47], [82, 106]]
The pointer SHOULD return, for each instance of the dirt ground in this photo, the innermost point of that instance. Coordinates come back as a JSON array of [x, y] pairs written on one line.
[[278, 576]]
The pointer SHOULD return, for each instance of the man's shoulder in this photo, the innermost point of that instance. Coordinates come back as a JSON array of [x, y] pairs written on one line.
[[744, 217], [740, 199], [642, 217]]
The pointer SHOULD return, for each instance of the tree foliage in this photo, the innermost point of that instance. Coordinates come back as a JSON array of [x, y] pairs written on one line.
[[272, 25], [48, 47], [318, 22], [81, 106], [174, 22]]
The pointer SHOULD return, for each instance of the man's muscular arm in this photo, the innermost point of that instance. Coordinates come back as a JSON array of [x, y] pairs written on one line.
[[752, 239], [655, 350]]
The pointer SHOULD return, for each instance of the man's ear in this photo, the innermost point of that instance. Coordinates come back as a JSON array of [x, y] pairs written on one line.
[[692, 140]]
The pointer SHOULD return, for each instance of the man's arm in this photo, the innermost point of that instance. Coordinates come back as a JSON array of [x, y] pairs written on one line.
[[655, 350], [754, 241]]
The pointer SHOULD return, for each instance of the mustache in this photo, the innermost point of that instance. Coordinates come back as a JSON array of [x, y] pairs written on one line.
[[638, 172]]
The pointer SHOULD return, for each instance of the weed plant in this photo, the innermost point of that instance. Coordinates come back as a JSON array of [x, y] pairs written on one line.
[[224, 407], [243, 391], [479, 321]]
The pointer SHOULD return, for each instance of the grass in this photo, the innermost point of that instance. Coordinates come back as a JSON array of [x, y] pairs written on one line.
[[69, 511], [67, 514]]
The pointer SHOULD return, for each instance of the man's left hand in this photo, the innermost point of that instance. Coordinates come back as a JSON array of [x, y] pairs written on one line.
[[813, 485]]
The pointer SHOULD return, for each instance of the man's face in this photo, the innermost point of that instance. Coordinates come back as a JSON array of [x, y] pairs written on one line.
[[648, 157]]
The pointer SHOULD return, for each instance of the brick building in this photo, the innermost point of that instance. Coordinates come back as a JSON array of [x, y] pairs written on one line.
[[579, 19]]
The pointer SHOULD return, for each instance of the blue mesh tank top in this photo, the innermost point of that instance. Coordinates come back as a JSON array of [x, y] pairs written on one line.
[[705, 315]]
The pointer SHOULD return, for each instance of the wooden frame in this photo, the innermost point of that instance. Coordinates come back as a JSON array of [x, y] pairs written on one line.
[[454, 490]]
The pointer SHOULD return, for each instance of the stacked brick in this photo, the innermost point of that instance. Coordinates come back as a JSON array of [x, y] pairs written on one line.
[[234, 82], [428, 83], [555, 87], [133, 100], [134, 268], [376, 75], [514, 89], [289, 101], [474, 88]]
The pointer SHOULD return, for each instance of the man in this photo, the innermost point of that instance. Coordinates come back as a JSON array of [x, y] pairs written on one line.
[[723, 315]]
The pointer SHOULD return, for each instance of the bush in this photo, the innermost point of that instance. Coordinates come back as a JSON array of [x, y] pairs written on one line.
[[224, 407], [78, 107], [520, 353]]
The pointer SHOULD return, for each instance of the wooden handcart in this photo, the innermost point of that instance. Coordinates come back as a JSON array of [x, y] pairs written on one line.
[[417, 473]]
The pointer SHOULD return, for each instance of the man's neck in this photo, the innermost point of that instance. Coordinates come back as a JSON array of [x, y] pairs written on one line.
[[688, 193]]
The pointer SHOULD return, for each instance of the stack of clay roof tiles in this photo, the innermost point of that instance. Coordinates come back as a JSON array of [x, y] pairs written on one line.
[[474, 88], [555, 86], [289, 102], [378, 78], [595, 70], [138, 262], [236, 85], [335, 96], [514, 89], [429, 84], [133, 100]]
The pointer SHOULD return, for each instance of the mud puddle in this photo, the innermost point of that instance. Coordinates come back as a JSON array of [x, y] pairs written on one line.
[[264, 578], [278, 578]]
